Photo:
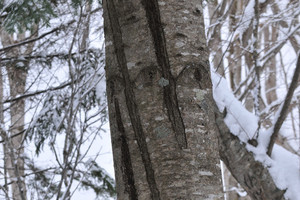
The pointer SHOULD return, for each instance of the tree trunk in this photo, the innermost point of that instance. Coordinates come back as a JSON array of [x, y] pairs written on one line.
[[15, 163], [235, 51], [13, 148], [159, 89], [270, 74]]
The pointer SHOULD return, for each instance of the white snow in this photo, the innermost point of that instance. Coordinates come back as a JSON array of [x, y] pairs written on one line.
[[236, 113], [285, 171], [247, 17], [283, 165]]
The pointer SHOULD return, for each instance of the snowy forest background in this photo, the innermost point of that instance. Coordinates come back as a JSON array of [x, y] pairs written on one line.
[[53, 112]]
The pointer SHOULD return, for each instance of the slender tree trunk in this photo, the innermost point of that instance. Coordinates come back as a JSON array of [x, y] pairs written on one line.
[[215, 41], [14, 150], [17, 80], [159, 89], [235, 52], [3, 136], [270, 74], [235, 71]]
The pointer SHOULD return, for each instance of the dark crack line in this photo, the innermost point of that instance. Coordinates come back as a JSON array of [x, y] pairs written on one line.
[[127, 170], [169, 91], [130, 99]]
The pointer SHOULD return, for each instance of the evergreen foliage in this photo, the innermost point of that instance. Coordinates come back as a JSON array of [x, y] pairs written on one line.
[[22, 15]]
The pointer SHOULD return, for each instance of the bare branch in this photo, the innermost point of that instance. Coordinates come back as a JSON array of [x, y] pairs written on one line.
[[34, 39], [273, 51], [284, 110], [37, 92]]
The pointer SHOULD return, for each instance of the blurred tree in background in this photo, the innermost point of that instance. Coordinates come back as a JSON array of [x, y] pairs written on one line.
[[53, 104]]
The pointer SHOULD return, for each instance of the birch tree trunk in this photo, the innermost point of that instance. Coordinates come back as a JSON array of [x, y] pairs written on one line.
[[159, 89]]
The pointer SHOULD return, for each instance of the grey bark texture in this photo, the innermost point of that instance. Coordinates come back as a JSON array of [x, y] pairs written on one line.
[[159, 89]]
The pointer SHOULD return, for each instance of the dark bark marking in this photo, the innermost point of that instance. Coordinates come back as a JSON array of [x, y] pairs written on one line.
[[169, 91], [148, 75], [197, 75], [114, 82], [197, 12], [111, 85], [131, 20], [130, 99], [180, 35], [126, 166], [202, 75]]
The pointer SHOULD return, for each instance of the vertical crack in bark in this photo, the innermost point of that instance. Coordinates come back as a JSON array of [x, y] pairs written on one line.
[[130, 99], [170, 96], [127, 171]]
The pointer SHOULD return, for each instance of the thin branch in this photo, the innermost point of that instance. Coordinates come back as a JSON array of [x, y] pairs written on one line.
[[50, 56], [284, 110], [32, 40], [45, 34], [273, 51], [28, 174], [15, 135], [37, 93]]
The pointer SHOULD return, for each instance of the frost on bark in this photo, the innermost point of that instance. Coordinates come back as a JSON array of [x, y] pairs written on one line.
[[159, 89]]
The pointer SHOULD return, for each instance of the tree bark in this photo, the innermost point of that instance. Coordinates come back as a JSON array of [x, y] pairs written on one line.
[[270, 74], [158, 90], [13, 148]]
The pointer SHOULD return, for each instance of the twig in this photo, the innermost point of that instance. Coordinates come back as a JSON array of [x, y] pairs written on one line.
[[36, 93], [15, 135]]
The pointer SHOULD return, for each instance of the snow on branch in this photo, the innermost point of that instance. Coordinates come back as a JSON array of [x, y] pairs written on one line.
[[249, 162]]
